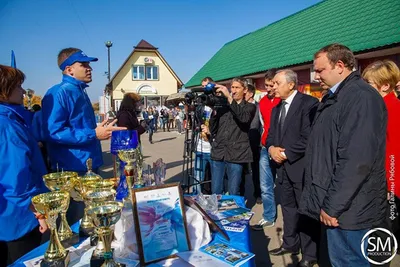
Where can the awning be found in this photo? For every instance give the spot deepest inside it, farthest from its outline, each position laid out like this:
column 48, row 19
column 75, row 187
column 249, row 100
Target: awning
column 176, row 97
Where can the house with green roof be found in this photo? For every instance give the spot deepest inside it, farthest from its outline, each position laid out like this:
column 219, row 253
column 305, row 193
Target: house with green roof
column 370, row 28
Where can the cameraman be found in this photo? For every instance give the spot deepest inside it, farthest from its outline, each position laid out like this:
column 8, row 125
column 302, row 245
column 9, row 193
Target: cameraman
column 229, row 127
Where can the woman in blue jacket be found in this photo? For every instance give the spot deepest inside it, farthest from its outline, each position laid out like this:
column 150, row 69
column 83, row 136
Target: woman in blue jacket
column 21, row 169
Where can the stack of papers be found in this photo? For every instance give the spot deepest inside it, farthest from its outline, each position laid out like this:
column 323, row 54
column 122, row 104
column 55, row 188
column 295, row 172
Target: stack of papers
column 231, row 217
column 218, row 254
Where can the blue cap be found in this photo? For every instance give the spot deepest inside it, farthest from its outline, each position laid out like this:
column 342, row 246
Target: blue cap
column 78, row 56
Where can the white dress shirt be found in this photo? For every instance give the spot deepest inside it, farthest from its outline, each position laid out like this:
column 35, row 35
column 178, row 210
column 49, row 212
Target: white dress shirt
column 288, row 101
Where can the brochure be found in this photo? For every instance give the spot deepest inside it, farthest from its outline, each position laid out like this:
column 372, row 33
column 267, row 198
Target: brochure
column 227, row 204
column 200, row 259
column 237, row 226
column 227, row 254
column 230, row 213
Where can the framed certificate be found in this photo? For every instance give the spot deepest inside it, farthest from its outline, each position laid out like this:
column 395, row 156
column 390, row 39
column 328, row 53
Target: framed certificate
column 160, row 222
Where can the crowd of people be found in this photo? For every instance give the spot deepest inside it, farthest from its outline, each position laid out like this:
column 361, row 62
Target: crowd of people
column 65, row 126
column 331, row 162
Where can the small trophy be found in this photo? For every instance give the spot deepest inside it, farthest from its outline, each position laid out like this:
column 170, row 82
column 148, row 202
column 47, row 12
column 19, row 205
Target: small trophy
column 95, row 197
column 50, row 205
column 86, row 227
column 104, row 215
column 159, row 169
column 63, row 181
column 130, row 170
column 127, row 141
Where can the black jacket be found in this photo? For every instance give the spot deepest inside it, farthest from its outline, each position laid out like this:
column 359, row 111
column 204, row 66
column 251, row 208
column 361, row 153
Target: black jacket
column 296, row 130
column 128, row 119
column 345, row 158
column 229, row 131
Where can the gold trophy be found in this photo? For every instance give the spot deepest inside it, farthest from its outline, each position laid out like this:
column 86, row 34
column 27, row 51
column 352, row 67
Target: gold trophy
column 63, row 181
column 50, row 205
column 133, row 179
column 104, row 215
column 86, row 226
column 92, row 198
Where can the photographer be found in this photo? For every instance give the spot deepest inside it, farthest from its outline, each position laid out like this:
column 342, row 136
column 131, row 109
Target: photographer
column 229, row 127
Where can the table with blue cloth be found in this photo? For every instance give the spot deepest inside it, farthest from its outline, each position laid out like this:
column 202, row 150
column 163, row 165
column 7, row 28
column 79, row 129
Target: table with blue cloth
column 239, row 240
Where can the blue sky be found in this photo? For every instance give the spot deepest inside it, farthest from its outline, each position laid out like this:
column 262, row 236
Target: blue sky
column 187, row 32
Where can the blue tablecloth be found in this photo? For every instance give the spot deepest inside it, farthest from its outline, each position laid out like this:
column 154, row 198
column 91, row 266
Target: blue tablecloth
column 238, row 240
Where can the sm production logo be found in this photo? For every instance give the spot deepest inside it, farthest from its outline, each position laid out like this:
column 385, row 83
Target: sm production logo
column 381, row 246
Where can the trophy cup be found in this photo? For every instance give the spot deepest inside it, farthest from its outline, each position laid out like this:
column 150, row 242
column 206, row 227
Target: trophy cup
column 63, row 181
column 92, row 198
column 86, row 226
column 104, row 215
column 125, row 140
column 130, row 170
column 50, row 205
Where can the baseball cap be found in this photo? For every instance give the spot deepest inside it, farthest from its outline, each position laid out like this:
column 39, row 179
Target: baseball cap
column 78, row 56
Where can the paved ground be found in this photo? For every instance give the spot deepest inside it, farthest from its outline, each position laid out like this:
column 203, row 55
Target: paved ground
column 169, row 146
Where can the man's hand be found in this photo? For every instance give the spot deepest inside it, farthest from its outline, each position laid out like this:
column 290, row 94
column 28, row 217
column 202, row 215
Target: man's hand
column 276, row 154
column 328, row 220
column 104, row 130
column 224, row 91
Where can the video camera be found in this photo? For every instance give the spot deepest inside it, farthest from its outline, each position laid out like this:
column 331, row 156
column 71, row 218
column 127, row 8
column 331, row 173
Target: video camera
column 213, row 98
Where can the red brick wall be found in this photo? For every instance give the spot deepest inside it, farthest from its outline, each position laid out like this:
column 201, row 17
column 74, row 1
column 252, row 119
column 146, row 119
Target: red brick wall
column 259, row 84
column 363, row 63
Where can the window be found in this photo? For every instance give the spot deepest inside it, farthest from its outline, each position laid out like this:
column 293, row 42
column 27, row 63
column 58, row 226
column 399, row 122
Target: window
column 117, row 104
column 141, row 72
column 151, row 73
column 138, row 72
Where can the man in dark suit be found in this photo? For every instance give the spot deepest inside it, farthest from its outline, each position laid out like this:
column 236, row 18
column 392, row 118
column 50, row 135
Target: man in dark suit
column 286, row 142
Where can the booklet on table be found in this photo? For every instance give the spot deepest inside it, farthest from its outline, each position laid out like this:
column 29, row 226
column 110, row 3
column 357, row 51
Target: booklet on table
column 227, row 254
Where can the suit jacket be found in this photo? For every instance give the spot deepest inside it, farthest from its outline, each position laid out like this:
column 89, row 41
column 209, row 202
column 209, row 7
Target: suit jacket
column 296, row 130
column 255, row 131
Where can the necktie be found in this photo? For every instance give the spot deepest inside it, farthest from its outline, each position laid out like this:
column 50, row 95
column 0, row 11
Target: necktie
column 282, row 117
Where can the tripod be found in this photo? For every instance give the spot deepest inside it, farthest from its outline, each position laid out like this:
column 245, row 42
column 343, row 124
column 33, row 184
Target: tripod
column 189, row 179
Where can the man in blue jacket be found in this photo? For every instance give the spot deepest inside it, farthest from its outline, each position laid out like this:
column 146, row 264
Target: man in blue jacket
column 69, row 125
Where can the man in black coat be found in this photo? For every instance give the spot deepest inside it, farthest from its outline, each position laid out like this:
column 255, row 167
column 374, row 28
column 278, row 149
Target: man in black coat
column 345, row 184
column 286, row 142
column 230, row 146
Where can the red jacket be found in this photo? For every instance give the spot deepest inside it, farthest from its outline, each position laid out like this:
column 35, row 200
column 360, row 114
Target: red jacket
column 266, row 105
column 393, row 144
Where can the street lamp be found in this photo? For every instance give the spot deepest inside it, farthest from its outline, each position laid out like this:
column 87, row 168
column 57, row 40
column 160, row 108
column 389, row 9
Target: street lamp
column 108, row 89
column 29, row 94
column 108, row 45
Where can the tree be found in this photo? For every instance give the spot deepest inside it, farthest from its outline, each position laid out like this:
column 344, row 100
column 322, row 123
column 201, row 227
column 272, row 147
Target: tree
column 35, row 100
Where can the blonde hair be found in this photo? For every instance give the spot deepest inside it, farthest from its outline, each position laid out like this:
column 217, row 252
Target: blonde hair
column 382, row 72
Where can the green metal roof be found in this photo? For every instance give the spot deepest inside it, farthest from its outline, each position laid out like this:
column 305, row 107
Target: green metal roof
column 359, row 24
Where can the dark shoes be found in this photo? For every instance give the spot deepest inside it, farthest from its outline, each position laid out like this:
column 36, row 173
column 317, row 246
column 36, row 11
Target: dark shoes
column 306, row 263
column 282, row 251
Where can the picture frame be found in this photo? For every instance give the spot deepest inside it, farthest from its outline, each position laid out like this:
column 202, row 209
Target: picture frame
column 189, row 201
column 160, row 222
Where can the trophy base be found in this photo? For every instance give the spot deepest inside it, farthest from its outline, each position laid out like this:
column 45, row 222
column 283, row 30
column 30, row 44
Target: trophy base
column 86, row 232
column 73, row 240
column 97, row 261
column 58, row 263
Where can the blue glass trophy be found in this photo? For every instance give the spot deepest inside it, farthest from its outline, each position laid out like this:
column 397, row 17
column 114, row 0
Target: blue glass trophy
column 125, row 146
